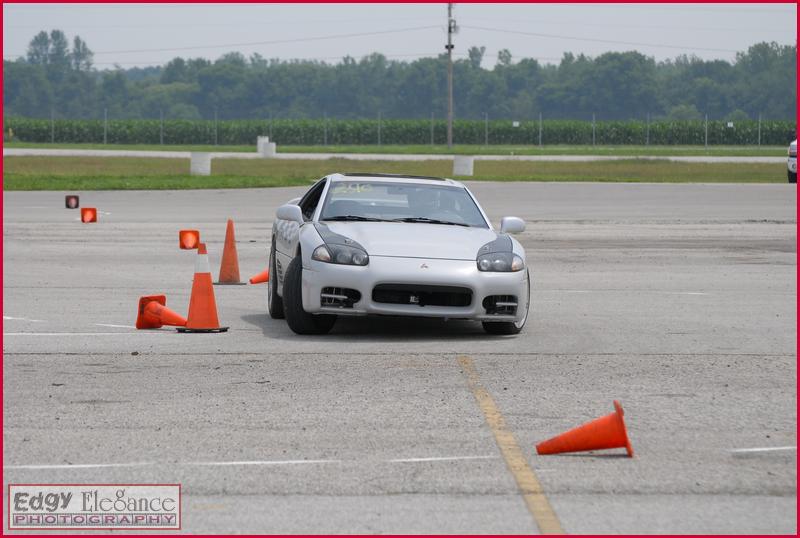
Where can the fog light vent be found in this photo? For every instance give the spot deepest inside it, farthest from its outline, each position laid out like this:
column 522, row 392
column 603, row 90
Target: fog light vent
column 501, row 305
column 339, row 297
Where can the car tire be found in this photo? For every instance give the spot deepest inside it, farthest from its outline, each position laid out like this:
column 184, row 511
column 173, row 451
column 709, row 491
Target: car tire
column 298, row 319
column 274, row 301
column 510, row 327
column 792, row 177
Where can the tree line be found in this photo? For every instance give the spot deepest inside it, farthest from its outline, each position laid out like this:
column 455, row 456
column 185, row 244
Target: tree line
column 62, row 80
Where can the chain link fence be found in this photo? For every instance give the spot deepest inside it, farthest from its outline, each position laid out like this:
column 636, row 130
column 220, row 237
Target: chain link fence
column 327, row 131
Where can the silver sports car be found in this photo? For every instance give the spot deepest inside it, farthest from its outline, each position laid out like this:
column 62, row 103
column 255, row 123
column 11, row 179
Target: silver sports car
column 358, row 244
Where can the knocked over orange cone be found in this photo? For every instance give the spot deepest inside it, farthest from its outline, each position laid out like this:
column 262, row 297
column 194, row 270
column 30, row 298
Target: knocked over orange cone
column 153, row 313
column 88, row 214
column 229, row 266
column 202, row 304
column 188, row 239
column 601, row 433
column 260, row 278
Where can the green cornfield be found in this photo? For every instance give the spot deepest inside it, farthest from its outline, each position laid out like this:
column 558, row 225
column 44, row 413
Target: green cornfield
column 369, row 132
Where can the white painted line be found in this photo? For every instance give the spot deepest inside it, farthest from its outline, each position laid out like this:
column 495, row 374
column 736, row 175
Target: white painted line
column 256, row 462
column 445, row 458
column 238, row 463
column 87, row 334
column 11, row 318
column 112, row 325
column 623, row 290
column 78, row 466
column 187, row 463
column 763, row 449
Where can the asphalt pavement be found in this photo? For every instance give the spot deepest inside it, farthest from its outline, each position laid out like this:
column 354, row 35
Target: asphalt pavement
column 679, row 300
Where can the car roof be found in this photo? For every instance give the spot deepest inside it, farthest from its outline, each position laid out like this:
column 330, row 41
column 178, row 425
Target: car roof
column 395, row 178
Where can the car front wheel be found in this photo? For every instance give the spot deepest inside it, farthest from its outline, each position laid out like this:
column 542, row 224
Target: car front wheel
column 792, row 177
column 298, row 319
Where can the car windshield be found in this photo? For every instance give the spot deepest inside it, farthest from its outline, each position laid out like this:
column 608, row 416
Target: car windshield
column 401, row 202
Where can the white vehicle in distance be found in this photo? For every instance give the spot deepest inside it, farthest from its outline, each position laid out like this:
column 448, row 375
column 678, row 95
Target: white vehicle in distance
column 380, row 244
column 792, row 164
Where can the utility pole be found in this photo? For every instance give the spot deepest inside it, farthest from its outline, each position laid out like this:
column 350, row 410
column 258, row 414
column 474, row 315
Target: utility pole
column 759, row 129
column 216, row 135
column 540, row 130
column 451, row 28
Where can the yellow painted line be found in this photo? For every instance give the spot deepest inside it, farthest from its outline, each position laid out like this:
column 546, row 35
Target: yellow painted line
column 527, row 481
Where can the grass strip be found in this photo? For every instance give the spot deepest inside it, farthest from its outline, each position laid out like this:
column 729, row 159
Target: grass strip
column 459, row 149
column 102, row 173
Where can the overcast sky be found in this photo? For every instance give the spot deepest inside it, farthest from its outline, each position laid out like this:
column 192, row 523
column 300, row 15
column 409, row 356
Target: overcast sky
column 152, row 34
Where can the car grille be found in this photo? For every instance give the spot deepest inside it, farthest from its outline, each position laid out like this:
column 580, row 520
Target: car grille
column 422, row 295
column 500, row 305
column 339, row 297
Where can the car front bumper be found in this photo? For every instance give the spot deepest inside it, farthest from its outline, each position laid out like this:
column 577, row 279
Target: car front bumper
column 413, row 271
column 792, row 165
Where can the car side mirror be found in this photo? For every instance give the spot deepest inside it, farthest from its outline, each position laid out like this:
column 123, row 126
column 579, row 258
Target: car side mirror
column 512, row 225
column 290, row 212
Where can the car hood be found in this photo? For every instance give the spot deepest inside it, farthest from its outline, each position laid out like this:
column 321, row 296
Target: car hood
column 413, row 240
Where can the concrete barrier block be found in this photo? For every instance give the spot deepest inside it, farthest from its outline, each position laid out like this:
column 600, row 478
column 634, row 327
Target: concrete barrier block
column 200, row 164
column 261, row 145
column 463, row 165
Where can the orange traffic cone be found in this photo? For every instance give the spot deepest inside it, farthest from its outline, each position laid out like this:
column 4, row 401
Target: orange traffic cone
column 229, row 266
column 88, row 214
column 153, row 313
column 260, row 278
column 72, row 201
column 202, row 305
column 188, row 239
column 601, row 433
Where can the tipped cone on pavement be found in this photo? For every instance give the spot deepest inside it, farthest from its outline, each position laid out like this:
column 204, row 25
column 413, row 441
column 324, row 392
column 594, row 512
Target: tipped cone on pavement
column 260, row 278
column 202, row 304
column 154, row 314
column 229, row 266
column 601, row 433
column 88, row 214
column 188, row 239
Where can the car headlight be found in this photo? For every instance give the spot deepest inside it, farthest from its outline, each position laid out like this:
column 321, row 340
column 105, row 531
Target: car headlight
column 501, row 262
column 340, row 254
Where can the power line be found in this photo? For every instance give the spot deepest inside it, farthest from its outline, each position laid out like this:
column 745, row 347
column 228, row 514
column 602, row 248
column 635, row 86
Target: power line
column 271, row 42
column 635, row 26
column 726, row 7
column 272, row 22
column 597, row 40
column 418, row 55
